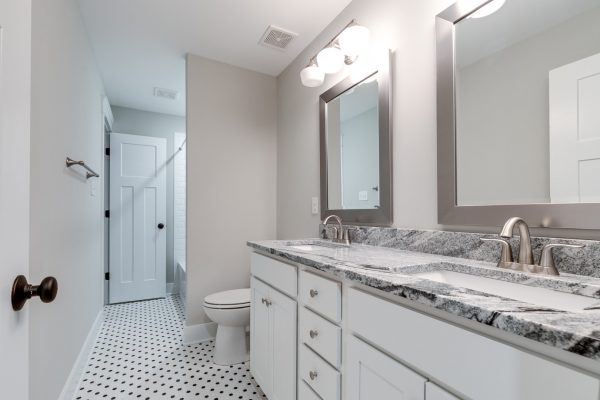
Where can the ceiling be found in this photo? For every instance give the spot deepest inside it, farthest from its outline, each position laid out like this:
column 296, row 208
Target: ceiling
column 141, row 44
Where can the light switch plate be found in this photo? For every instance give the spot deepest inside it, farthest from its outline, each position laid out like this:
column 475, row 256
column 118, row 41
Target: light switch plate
column 315, row 205
column 363, row 195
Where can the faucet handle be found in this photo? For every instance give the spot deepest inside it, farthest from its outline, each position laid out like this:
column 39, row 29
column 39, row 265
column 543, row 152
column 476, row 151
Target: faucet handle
column 547, row 257
column 506, row 255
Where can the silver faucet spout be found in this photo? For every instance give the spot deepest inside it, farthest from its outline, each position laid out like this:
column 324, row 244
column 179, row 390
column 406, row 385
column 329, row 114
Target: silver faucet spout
column 525, row 252
column 340, row 230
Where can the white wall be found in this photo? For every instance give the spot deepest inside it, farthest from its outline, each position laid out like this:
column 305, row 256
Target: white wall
column 514, row 117
column 66, row 221
column 408, row 28
column 145, row 123
column 179, row 200
column 231, row 170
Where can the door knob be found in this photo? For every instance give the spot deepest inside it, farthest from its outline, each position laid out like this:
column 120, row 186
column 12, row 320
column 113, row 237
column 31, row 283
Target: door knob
column 23, row 291
column 161, row 225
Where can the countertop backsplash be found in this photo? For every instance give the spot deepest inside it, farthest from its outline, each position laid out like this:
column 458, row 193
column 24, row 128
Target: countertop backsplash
column 584, row 261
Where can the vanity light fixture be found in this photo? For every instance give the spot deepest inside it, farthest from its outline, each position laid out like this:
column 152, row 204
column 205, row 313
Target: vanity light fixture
column 488, row 9
column 344, row 48
column 312, row 75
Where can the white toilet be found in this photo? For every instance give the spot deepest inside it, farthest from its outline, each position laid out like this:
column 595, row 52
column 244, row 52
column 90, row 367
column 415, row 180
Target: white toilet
column 231, row 311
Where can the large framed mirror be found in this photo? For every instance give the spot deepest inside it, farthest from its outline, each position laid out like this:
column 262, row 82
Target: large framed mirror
column 356, row 147
column 519, row 112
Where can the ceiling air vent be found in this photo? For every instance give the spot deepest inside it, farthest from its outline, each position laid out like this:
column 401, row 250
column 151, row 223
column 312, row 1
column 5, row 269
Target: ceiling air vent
column 277, row 38
column 166, row 93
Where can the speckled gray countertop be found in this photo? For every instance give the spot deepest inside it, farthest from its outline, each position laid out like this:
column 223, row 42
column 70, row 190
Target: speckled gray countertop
column 392, row 270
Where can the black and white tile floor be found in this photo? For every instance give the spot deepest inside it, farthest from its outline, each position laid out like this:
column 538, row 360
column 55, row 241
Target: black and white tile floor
column 139, row 354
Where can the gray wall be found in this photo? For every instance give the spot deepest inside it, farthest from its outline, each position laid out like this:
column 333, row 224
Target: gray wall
column 66, row 221
column 145, row 123
column 509, row 114
column 408, row 28
column 231, row 175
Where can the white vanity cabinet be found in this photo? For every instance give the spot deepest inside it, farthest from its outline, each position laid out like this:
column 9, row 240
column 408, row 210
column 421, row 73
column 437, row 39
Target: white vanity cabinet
column 273, row 328
column 370, row 374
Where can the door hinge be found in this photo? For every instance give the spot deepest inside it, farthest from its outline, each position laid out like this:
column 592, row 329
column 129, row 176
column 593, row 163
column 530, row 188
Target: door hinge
column 107, row 276
column 107, row 151
column 106, row 213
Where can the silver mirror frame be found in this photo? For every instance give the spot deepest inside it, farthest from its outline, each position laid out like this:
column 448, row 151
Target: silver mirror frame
column 576, row 216
column 383, row 216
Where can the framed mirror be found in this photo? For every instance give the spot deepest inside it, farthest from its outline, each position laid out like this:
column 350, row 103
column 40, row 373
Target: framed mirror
column 356, row 147
column 519, row 112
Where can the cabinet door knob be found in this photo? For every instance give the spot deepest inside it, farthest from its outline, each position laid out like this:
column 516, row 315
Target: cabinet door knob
column 313, row 292
column 268, row 302
column 313, row 334
column 263, row 300
column 160, row 225
column 313, row 375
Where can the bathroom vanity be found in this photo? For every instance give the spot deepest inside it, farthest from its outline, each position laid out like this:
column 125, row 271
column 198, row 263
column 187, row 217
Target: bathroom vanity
column 371, row 322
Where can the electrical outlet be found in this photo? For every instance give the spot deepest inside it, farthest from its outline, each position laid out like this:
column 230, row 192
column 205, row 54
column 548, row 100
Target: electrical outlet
column 315, row 205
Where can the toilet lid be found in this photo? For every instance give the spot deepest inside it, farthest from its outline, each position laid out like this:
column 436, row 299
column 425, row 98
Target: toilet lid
column 237, row 297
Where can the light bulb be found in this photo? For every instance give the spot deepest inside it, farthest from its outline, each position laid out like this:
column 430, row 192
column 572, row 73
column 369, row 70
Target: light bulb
column 488, row 9
column 330, row 60
column 354, row 40
column 312, row 76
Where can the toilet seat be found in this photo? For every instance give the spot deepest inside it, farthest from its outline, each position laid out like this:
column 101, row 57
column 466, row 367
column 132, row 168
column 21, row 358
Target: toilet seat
column 229, row 299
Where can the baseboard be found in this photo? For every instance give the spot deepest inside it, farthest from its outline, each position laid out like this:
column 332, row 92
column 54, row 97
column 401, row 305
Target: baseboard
column 171, row 288
column 76, row 374
column 199, row 333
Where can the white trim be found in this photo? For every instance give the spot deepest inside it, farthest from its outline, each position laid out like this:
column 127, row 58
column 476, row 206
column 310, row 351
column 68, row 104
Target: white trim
column 76, row 374
column 172, row 288
column 199, row 333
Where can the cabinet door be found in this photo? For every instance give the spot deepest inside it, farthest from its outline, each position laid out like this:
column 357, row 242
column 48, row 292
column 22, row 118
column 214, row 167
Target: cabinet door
column 260, row 337
column 283, row 331
column 371, row 374
column 434, row 392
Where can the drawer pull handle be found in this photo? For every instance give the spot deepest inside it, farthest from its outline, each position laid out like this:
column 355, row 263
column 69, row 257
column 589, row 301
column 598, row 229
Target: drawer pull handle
column 313, row 375
column 313, row 334
column 313, row 293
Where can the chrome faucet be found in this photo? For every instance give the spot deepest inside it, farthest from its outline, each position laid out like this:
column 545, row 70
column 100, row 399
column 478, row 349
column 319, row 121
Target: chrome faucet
column 341, row 234
column 525, row 252
column 526, row 262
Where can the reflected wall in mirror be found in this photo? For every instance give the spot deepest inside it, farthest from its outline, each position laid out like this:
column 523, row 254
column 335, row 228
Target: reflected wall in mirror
column 356, row 147
column 353, row 147
column 528, row 104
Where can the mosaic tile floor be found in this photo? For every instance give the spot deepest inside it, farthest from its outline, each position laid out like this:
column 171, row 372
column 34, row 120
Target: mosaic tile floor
column 139, row 354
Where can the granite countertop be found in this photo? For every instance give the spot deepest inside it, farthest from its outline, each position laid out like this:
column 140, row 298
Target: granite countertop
column 391, row 270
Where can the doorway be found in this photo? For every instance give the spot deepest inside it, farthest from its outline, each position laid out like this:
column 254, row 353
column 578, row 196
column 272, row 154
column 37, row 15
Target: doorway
column 145, row 206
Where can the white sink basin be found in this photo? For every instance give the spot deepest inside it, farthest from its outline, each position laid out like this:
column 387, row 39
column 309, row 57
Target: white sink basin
column 528, row 294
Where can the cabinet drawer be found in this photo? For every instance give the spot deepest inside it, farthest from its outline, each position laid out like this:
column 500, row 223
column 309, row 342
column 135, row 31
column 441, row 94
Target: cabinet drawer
column 455, row 355
column 276, row 273
column 321, row 295
column 325, row 379
column 320, row 335
column 306, row 393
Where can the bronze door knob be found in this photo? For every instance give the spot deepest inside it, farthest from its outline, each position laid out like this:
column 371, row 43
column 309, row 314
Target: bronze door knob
column 23, row 291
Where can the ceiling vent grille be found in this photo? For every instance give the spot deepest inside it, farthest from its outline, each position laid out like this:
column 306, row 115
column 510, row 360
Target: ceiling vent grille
column 277, row 38
column 168, row 94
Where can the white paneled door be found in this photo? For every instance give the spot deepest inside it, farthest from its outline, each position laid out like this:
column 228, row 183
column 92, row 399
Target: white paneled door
column 138, row 214
column 15, row 67
column 575, row 132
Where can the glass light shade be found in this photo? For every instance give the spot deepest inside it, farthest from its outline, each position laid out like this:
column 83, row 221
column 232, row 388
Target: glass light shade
column 488, row 9
column 312, row 76
column 330, row 60
column 354, row 40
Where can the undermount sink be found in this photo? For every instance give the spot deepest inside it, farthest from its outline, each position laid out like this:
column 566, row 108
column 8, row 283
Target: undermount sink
column 528, row 294
column 317, row 245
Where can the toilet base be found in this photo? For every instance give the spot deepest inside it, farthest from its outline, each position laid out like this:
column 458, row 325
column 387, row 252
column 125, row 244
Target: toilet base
column 230, row 345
